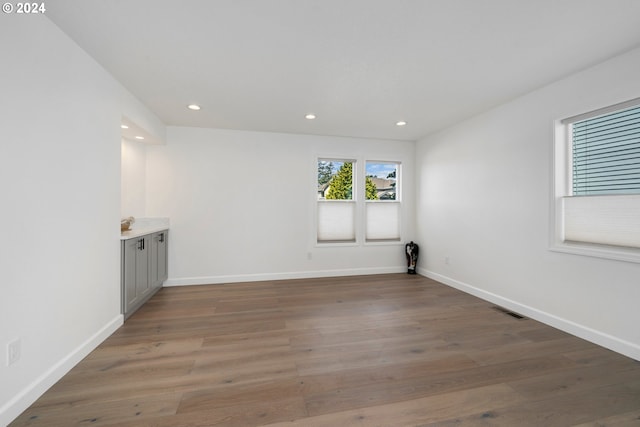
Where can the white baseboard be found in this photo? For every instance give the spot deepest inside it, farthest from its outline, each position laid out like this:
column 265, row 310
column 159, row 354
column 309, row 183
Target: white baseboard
column 597, row 337
column 211, row 280
column 14, row 407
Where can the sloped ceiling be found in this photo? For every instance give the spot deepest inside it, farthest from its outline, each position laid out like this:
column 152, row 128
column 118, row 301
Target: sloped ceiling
column 359, row 65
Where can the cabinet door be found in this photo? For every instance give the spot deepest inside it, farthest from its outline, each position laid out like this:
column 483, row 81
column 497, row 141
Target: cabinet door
column 158, row 263
column 163, row 257
column 129, row 277
column 142, row 266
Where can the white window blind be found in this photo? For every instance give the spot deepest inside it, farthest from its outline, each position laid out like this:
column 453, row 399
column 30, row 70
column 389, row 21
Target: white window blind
column 608, row 220
column 336, row 221
column 383, row 221
column 606, row 153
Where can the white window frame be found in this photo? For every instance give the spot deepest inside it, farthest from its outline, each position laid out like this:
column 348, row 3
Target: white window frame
column 563, row 202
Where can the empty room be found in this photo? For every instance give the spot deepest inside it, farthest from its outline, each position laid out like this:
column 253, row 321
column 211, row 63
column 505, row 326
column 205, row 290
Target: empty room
column 332, row 213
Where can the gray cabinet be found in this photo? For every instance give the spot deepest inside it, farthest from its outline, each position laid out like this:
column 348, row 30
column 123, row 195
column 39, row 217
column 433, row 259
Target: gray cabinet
column 144, row 269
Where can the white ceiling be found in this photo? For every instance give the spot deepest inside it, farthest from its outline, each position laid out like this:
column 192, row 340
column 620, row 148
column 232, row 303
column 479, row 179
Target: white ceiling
column 359, row 65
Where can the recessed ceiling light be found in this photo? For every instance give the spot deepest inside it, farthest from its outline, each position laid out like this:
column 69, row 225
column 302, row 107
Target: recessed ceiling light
column 124, row 126
column 139, row 137
column 194, row 107
column 401, row 123
column 310, row 116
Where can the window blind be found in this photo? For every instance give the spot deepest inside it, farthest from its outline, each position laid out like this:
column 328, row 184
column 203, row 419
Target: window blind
column 383, row 221
column 606, row 154
column 608, row 220
column 336, row 221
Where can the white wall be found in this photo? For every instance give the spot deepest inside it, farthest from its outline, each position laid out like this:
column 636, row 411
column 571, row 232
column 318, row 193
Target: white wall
column 133, row 185
column 484, row 191
column 60, row 189
column 242, row 205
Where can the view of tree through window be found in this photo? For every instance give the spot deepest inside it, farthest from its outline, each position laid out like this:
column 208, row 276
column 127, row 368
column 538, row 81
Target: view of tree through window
column 341, row 184
column 335, row 180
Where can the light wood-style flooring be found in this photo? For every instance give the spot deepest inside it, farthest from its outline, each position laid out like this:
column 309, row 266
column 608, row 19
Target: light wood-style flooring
column 385, row 350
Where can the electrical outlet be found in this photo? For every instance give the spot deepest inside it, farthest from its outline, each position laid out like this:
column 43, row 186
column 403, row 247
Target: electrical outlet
column 309, row 255
column 13, row 352
column 446, row 260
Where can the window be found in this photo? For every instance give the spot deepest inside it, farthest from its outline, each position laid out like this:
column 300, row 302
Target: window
column 336, row 207
column 598, row 180
column 382, row 202
column 348, row 196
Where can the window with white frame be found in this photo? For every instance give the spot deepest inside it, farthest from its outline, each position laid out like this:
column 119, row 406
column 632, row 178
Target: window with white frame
column 336, row 209
column 382, row 201
column 599, row 194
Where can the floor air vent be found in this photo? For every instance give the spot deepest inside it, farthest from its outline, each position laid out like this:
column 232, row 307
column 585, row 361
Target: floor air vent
column 509, row 312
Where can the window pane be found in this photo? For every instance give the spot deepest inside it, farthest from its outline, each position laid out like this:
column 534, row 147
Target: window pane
column 381, row 181
column 335, row 179
column 336, row 211
column 382, row 209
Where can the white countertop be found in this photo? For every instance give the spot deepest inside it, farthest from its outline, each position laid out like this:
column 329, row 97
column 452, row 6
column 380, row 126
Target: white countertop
column 143, row 226
column 130, row 234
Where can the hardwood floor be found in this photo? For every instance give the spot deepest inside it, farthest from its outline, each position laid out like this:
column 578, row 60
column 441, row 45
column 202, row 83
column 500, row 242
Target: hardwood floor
column 387, row 350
